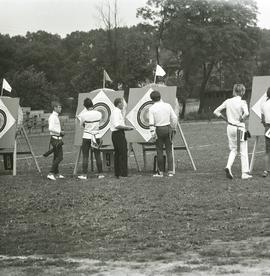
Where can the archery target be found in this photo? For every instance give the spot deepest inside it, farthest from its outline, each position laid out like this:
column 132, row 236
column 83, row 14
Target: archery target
column 105, row 111
column 139, row 103
column 8, row 116
column 260, row 85
column 3, row 120
column 143, row 115
column 103, row 102
column 6, row 119
column 139, row 115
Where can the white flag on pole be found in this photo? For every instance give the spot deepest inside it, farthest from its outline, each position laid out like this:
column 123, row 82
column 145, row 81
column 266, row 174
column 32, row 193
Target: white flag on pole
column 160, row 71
column 6, row 86
column 106, row 76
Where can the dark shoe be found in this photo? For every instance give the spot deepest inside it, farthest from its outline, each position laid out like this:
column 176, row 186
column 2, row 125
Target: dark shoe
column 228, row 173
column 265, row 174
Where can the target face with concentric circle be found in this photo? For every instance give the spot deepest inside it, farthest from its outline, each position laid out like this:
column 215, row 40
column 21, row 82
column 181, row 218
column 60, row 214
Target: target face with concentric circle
column 3, row 120
column 143, row 115
column 105, row 111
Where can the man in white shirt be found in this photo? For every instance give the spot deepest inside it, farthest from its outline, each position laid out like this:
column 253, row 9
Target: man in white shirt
column 162, row 122
column 90, row 120
column 236, row 113
column 265, row 111
column 56, row 141
column 118, row 129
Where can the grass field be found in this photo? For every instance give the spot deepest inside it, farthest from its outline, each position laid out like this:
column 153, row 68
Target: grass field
column 196, row 223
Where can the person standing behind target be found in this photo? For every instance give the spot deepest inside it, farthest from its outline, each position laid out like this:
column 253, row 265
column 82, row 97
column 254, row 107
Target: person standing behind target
column 119, row 141
column 265, row 112
column 162, row 122
column 90, row 120
column 56, row 141
column 236, row 113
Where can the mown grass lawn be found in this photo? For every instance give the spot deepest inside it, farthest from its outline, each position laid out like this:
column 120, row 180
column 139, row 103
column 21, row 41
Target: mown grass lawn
column 140, row 218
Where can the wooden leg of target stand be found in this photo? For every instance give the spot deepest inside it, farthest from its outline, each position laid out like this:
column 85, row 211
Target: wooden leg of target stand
column 173, row 159
column 77, row 161
column 135, row 157
column 186, row 145
column 253, row 154
column 14, row 171
column 31, row 149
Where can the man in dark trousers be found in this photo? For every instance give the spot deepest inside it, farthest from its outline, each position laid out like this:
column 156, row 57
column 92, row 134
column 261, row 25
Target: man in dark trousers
column 162, row 122
column 56, row 141
column 90, row 120
column 118, row 129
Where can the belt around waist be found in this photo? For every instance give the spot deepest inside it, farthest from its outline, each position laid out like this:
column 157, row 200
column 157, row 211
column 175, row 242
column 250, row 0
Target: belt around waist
column 56, row 137
column 163, row 126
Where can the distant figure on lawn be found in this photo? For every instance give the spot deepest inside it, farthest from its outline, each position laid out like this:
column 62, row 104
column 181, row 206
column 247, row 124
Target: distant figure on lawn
column 236, row 114
column 56, row 141
column 90, row 120
column 162, row 122
column 265, row 111
column 119, row 141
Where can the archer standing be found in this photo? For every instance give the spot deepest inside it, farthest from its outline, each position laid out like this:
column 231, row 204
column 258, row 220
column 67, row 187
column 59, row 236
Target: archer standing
column 236, row 114
column 56, row 141
column 90, row 120
column 118, row 129
column 163, row 122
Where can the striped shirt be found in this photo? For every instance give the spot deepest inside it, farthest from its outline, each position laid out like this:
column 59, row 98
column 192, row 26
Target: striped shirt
column 90, row 119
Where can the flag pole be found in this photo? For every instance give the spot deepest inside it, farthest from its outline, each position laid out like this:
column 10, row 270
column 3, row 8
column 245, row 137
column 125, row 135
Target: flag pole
column 155, row 77
column 103, row 79
column 2, row 88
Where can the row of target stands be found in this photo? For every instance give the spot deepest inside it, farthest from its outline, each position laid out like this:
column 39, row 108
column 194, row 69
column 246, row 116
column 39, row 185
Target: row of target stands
column 136, row 113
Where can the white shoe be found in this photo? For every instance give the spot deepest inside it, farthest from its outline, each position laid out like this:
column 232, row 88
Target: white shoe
column 83, row 177
column 101, row 176
column 60, row 176
column 158, row 174
column 246, row 176
column 170, row 174
column 51, row 176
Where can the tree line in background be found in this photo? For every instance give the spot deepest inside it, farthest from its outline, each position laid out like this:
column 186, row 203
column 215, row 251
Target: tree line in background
column 202, row 45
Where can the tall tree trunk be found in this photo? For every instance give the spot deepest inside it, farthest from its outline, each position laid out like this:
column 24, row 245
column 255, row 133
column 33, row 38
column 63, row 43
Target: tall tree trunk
column 207, row 69
column 182, row 114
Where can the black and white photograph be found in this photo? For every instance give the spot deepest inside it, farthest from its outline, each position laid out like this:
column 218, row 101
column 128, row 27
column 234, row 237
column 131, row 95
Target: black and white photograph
column 135, row 137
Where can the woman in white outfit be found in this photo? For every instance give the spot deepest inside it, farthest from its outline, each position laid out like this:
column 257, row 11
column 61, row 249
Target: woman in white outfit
column 236, row 113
